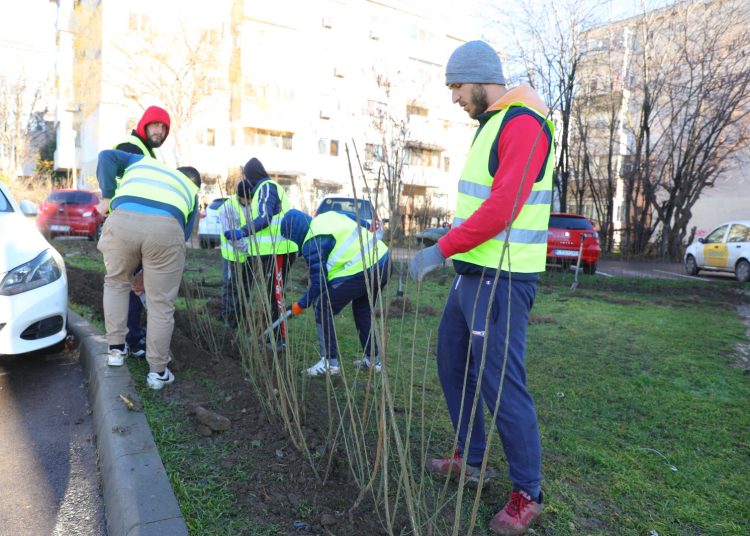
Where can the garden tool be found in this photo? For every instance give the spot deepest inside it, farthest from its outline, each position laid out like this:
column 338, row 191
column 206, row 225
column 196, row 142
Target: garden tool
column 282, row 317
column 578, row 262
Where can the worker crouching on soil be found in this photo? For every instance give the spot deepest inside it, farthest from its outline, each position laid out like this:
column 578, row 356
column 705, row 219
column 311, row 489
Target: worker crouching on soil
column 344, row 260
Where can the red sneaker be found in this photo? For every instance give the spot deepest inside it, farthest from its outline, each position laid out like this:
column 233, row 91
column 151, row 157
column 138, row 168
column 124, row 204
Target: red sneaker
column 451, row 465
column 517, row 515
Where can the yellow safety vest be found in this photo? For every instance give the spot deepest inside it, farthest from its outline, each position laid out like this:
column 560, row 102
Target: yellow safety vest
column 269, row 241
column 135, row 140
column 152, row 180
column 527, row 235
column 227, row 250
column 349, row 256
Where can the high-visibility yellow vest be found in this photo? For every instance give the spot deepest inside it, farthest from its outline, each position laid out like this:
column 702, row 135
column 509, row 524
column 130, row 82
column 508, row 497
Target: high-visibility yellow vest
column 269, row 241
column 152, row 180
column 356, row 248
column 527, row 235
column 227, row 250
column 135, row 140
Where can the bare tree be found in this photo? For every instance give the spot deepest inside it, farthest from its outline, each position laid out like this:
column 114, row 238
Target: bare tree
column 18, row 104
column 598, row 154
column 693, row 114
column 180, row 69
column 548, row 50
column 392, row 129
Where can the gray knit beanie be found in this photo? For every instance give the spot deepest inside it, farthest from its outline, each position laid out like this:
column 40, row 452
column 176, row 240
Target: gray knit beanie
column 474, row 62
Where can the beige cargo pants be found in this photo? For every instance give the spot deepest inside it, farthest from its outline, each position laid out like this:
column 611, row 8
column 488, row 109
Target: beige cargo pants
column 128, row 239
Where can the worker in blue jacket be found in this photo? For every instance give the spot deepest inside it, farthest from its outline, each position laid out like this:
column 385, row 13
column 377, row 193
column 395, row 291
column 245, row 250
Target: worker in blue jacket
column 343, row 259
column 269, row 256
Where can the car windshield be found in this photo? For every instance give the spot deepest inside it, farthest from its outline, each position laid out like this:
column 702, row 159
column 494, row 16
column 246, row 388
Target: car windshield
column 4, row 203
column 566, row 222
column 216, row 203
column 70, row 198
column 344, row 204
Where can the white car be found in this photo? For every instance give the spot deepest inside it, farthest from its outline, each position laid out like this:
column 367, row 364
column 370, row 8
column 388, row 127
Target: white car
column 33, row 283
column 209, row 226
column 725, row 249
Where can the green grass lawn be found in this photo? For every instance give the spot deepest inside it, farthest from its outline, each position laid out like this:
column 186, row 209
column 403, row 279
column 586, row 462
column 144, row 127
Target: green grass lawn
column 644, row 419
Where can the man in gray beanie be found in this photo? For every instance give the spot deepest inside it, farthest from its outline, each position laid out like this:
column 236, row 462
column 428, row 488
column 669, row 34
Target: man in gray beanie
column 498, row 245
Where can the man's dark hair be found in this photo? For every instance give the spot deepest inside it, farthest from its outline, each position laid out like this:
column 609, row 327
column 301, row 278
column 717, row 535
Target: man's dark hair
column 192, row 174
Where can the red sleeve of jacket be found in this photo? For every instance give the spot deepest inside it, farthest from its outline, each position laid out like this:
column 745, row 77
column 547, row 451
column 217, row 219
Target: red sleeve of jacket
column 519, row 138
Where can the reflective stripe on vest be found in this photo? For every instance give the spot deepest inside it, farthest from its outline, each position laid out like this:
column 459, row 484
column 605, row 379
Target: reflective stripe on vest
column 152, row 180
column 135, row 140
column 349, row 256
column 527, row 235
column 227, row 249
column 268, row 241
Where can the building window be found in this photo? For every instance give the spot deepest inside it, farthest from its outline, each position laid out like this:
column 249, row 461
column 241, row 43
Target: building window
column 211, row 137
column 271, row 138
column 334, row 147
column 416, row 109
column 446, row 163
column 139, row 23
column 421, row 156
column 373, row 152
column 323, row 146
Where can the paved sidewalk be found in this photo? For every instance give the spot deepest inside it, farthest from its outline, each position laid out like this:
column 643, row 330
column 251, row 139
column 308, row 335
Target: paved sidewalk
column 138, row 498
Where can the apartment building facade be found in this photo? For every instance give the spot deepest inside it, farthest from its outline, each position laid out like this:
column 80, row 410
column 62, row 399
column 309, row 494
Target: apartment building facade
column 317, row 90
column 611, row 96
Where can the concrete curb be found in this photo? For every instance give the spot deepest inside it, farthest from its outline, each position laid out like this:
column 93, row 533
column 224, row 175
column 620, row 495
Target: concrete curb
column 138, row 498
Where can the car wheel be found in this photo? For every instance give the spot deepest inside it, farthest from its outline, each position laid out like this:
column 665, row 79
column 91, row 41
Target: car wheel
column 589, row 268
column 742, row 271
column 691, row 267
column 205, row 244
column 97, row 234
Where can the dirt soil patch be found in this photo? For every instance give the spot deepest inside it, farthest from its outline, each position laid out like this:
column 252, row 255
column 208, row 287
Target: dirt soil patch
column 281, row 488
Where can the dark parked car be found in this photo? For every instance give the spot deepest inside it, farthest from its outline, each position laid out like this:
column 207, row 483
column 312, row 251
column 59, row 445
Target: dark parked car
column 70, row 212
column 348, row 205
column 431, row 235
column 567, row 233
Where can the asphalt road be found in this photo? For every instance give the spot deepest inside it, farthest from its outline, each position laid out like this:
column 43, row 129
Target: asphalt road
column 49, row 481
column 656, row 270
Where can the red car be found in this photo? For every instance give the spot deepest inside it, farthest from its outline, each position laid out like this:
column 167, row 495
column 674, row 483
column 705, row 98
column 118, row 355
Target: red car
column 70, row 212
column 566, row 231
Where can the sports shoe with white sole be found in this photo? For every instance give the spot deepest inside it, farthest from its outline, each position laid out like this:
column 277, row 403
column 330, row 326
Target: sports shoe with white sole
column 323, row 367
column 138, row 351
column 364, row 363
column 116, row 358
column 157, row 380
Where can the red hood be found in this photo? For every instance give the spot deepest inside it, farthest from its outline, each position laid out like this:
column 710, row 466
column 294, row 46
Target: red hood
column 153, row 114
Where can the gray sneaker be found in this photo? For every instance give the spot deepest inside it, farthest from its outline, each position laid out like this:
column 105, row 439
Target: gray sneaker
column 364, row 363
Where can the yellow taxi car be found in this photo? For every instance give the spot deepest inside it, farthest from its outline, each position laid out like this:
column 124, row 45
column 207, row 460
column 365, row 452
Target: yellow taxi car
column 725, row 249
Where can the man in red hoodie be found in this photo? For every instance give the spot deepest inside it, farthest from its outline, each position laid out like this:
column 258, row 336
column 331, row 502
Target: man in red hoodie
column 149, row 134
column 498, row 246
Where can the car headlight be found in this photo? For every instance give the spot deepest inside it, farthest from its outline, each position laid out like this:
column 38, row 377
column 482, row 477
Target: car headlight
column 44, row 269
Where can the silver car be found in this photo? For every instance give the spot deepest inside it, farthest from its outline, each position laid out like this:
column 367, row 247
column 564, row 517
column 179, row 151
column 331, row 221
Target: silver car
column 209, row 226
